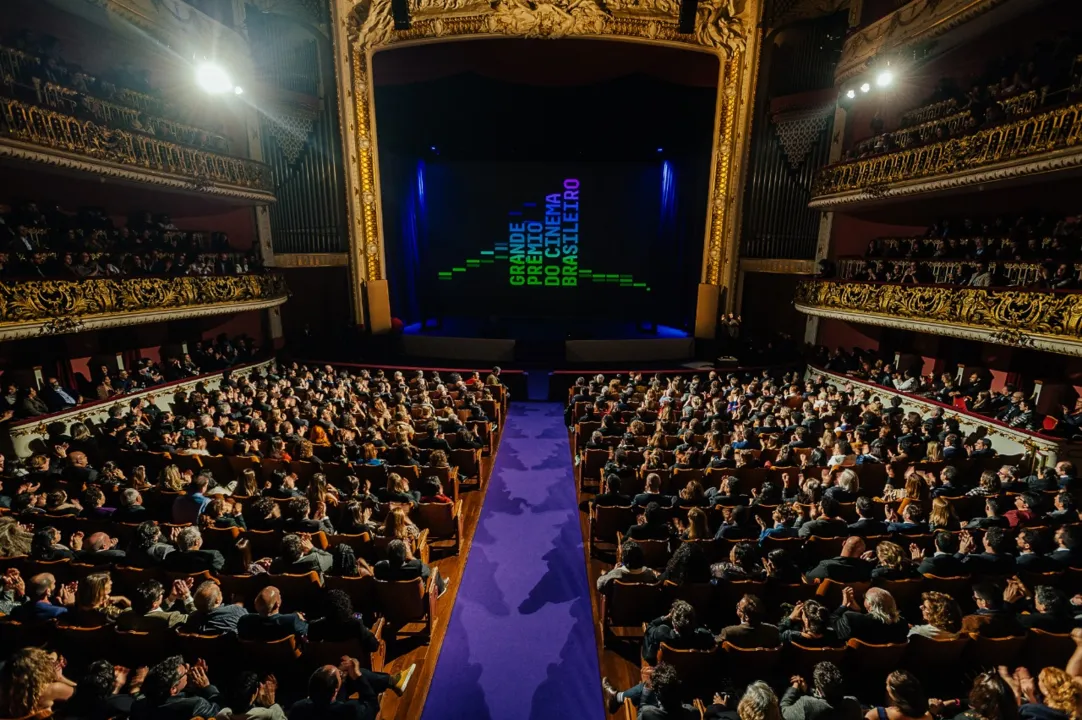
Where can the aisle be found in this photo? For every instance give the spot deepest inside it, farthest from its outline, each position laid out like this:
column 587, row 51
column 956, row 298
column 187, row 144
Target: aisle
column 521, row 639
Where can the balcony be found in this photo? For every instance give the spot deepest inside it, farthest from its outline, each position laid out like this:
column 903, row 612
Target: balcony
column 42, row 136
column 1040, row 320
column 34, row 308
column 1046, row 143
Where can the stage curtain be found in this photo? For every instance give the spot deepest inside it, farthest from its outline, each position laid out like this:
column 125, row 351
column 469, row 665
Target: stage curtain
column 415, row 242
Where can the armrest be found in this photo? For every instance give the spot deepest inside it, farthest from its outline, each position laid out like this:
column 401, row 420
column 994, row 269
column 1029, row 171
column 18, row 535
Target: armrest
column 379, row 657
column 457, row 512
column 629, row 711
column 423, row 550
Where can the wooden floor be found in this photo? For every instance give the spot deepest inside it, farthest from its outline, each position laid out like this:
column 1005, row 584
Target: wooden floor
column 409, row 706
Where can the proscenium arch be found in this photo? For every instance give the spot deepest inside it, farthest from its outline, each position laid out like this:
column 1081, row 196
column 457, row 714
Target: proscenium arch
column 726, row 28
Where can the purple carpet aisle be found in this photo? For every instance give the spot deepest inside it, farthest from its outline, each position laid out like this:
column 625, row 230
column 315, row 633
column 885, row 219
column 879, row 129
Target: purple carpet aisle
column 521, row 640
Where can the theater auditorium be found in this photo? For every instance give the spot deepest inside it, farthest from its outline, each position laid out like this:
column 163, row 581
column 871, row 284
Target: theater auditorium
column 532, row 359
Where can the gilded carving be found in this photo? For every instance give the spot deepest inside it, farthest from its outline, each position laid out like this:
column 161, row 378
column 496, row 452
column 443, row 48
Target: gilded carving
column 199, row 168
column 916, row 21
column 1042, row 134
column 1001, row 316
column 65, row 305
column 722, row 27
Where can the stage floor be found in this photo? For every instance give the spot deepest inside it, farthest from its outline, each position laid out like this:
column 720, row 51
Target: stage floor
column 542, row 329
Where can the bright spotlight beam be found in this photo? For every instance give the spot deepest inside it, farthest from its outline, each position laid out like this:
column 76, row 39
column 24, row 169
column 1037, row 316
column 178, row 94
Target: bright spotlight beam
column 213, row 79
column 884, row 78
column 851, row 94
column 865, row 87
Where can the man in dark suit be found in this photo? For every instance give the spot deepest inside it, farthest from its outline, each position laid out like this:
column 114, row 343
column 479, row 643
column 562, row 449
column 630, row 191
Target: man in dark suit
column 1065, row 471
column 654, row 526
column 982, row 448
column 1051, row 611
column 652, row 493
column 828, row 523
column 867, row 524
column 131, row 508
column 176, row 691
column 992, row 618
column 189, row 557
column 849, row 567
column 994, row 560
column 752, row 632
column 910, row 524
column 58, row 397
column 78, row 471
column 401, row 565
column 98, row 549
column 679, row 630
column 267, row 623
column 1031, row 558
column 1068, row 552
column 299, row 556
column 347, row 692
column 944, row 562
column 612, row 497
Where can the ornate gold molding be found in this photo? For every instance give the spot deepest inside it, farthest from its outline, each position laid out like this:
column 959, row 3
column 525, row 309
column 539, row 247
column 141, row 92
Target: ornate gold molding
column 49, row 307
column 780, row 266
column 1042, row 143
column 916, row 21
column 1040, row 320
column 311, row 260
column 725, row 28
column 41, row 135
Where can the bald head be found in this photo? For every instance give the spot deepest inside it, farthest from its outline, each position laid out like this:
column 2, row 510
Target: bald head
column 207, row 596
column 853, row 547
column 77, row 459
column 324, row 684
column 268, row 600
column 99, row 541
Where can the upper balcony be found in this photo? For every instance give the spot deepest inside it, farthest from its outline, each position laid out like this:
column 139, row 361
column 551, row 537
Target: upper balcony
column 32, row 308
column 1035, row 319
column 58, row 116
column 1009, row 153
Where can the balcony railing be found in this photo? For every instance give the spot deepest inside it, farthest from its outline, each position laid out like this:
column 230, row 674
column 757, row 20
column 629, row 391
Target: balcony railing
column 1036, row 135
column 133, row 153
column 1044, row 320
column 946, row 272
column 52, row 307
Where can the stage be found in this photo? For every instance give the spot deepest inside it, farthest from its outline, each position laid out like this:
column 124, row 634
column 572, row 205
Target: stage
column 521, row 340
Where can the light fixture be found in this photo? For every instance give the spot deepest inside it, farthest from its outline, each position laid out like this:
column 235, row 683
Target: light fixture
column 661, row 149
column 865, row 87
column 851, row 93
column 213, row 79
column 884, row 78
column 238, row 90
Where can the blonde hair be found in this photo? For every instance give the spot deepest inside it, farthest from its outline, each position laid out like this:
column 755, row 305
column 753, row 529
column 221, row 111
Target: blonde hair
column 170, row 479
column 397, row 525
column 941, row 514
column 933, row 453
column 1061, row 693
column 14, row 541
column 759, row 703
column 881, row 606
column 94, row 590
column 890, row 555
column 943, row 611
column 25, row 678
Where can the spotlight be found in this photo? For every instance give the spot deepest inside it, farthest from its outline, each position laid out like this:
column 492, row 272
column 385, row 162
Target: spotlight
column 213, row 79
column 851, row 93
column 432, row 148
column 238, row 90
column 661, row 149
column 884, row 78
column 865, row 87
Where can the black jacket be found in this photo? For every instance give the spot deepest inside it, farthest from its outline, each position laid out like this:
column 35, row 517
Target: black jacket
column 943, row 566
column 842, row 569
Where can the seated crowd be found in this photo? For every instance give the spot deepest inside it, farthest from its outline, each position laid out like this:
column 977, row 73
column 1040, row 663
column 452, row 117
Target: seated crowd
column 243, row 545
column 1008, row 404
column 1036, row 253
column 21, row 401
column 71, row 90
column 47, row 242
column 1008, row 88
column 784, row 515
